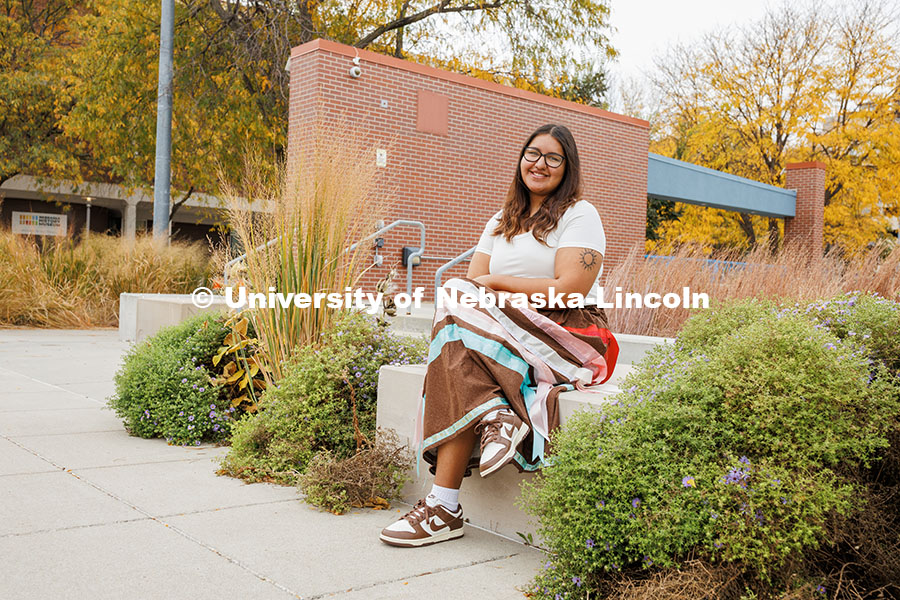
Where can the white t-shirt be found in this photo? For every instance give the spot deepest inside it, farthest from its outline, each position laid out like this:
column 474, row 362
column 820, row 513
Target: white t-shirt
column 524, row 256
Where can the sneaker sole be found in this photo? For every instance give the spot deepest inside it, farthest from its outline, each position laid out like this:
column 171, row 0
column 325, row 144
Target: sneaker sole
column 434, row 539
column 520, row 435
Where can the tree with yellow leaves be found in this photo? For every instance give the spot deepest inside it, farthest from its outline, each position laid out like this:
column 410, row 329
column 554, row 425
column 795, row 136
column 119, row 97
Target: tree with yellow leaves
column 112, row 76
column 33, row 40
column 552, row 46
column 813, row 83
column 78, row 85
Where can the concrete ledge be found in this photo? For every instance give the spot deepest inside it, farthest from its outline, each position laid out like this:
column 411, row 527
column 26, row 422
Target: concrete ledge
column 142, row 315
column 632, row 348
column 489, row 502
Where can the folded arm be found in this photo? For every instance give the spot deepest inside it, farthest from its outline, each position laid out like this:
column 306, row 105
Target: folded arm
column 575, row 270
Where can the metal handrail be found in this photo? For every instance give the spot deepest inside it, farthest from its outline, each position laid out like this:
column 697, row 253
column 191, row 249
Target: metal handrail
column 439, row 274
column 351, row 248
column 411, row 259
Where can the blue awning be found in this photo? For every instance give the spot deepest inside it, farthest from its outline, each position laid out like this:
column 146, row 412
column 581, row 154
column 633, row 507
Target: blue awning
column 670, row 179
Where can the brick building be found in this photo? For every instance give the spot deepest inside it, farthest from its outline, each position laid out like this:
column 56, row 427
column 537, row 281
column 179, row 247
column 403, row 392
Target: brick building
column 450, row 145
column 453, row 142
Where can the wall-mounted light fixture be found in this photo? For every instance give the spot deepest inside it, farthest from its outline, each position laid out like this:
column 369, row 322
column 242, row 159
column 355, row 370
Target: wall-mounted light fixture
column 409, row 251
column 379, row 243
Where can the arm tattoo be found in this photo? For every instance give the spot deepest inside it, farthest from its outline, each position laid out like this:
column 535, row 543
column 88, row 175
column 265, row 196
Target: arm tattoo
column 589, row 259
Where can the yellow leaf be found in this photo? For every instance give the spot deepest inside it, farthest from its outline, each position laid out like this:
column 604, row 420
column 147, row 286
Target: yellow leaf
column 239, row 345
column 219, row 355
column 235, row 376
column 241, row 326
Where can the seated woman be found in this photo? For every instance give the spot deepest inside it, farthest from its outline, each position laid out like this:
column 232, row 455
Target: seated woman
column 495, row 372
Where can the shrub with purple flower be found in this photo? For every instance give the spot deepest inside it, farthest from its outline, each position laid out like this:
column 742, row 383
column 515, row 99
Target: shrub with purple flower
column 312, row 409
column 154, row 378
column 734, row 444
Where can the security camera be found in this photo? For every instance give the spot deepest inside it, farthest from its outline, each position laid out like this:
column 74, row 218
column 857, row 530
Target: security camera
column 355, row 72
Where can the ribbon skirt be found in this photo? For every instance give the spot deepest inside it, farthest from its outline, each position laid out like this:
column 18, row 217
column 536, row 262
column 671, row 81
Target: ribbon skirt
column 485, row 357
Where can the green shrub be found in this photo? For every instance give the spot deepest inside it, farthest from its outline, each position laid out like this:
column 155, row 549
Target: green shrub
column 868, row 322
column 311, row 409
column 706, row 328
column 164, row 387
column 728, row 446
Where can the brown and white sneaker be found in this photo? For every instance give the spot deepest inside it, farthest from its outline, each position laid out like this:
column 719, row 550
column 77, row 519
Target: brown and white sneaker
column 424, row 525
column 501, row 433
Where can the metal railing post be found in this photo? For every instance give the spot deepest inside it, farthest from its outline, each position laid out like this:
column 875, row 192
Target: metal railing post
column 439, row 274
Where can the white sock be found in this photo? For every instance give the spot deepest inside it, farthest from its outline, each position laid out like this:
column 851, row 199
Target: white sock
column 447, row 497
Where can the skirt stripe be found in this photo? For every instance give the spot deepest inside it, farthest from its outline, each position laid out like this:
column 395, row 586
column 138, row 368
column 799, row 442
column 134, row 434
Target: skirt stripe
column 479, row 410
column 484, row 357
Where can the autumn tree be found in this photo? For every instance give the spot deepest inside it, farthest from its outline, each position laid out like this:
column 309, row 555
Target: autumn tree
column 802, row 83
column 78, row 89
column 552, row 46
column 858, row 132
column 33, row 40
column 112, row 76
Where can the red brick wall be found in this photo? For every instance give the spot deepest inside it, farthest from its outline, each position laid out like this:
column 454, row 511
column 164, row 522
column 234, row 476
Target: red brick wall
column 454, row 182
column 806, row 227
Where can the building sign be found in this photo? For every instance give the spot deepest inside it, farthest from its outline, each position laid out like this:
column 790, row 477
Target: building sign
column 32, row 223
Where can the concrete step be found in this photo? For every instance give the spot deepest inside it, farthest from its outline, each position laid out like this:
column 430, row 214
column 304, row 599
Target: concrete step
column 491, row 502
column 417, row 322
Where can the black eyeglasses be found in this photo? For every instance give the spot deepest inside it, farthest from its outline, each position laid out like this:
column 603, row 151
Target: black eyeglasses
column 552, row 159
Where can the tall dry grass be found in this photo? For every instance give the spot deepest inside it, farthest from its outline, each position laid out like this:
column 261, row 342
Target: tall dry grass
column 314, row 211
column 791, row 275
column 61, row 283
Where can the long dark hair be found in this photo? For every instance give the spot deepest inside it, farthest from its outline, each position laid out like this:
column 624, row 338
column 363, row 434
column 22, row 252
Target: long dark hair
column 515, row 218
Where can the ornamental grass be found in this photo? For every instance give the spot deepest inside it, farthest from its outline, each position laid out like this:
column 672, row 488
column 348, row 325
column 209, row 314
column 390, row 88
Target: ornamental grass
column 791, row 274
column 309, row 215
column 69, row 284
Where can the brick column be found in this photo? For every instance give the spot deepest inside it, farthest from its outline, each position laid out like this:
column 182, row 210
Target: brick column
column 805, row 228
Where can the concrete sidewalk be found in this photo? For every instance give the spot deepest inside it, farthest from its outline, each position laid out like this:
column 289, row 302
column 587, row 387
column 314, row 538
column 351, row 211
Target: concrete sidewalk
column 87, row 511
